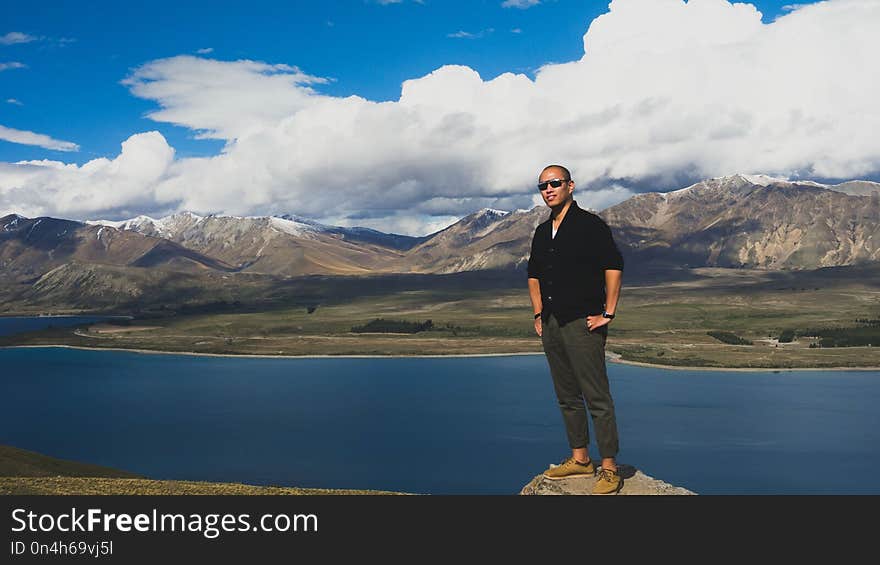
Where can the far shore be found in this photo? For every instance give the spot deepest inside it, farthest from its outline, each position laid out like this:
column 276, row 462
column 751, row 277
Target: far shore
column 610, row 357
column 83, row 315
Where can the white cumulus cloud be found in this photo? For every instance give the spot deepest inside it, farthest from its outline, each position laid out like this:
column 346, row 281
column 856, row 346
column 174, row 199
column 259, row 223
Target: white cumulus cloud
column 666, row 90
column 118, row 186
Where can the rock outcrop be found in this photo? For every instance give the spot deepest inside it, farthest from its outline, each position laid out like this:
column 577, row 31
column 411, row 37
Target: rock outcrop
column 634, row 482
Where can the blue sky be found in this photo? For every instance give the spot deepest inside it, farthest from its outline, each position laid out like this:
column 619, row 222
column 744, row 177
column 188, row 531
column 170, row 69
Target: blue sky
column 405, row 116
column 70, row 88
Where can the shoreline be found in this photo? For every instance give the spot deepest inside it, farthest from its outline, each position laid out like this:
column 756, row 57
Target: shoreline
column 8, row 316
column 735, row 369
column 609, row 357
column 258, row 356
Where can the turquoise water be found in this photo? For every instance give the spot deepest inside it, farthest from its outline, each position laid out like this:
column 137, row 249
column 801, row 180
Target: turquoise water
column 479, row 425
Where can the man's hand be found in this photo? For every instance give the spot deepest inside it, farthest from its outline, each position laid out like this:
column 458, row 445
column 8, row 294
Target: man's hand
column 538, row 328
column 596, row 321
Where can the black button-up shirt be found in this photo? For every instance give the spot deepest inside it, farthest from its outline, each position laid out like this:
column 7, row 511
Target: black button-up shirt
column 571, row 266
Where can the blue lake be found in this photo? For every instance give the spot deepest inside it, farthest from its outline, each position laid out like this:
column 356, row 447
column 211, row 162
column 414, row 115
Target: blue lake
column 479, row 425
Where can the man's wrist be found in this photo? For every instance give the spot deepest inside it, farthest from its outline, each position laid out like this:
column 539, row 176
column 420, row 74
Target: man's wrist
column 537, row 315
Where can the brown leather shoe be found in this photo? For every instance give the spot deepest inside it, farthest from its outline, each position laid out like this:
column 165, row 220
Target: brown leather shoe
column 570, row 468
column 608, row 481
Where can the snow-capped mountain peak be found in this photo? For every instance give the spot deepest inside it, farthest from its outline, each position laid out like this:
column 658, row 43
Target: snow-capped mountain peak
column 492, row 211
column 293, row 227
column 759, row 180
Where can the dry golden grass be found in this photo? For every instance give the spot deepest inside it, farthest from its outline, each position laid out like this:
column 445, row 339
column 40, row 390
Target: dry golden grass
column 108, row 486
column 29, row 472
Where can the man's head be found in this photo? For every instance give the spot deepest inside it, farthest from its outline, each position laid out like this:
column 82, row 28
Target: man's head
column 555, row 185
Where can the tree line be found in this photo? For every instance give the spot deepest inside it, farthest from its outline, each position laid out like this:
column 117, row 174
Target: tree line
column 381, row 325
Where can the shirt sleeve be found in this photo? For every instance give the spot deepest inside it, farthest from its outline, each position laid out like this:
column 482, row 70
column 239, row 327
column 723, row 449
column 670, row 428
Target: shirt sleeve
column 534, row 266
column 612, row 259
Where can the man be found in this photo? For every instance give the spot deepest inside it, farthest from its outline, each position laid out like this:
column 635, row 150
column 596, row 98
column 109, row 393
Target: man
column 574, row 273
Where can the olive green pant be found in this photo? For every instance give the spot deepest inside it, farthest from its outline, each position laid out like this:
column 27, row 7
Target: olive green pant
column 577, row 364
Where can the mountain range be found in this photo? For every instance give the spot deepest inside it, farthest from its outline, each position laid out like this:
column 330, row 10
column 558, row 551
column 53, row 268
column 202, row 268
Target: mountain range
column 752, row 222
column 739, row 221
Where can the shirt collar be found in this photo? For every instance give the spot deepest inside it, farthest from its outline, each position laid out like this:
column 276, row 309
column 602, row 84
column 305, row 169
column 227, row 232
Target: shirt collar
column 574, row 205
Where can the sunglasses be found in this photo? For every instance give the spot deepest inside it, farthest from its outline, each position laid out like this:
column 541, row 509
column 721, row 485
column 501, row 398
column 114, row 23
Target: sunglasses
column 555, row 183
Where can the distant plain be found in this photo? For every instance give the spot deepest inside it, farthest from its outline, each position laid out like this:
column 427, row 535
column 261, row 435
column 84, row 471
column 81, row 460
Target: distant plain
column 663, row 319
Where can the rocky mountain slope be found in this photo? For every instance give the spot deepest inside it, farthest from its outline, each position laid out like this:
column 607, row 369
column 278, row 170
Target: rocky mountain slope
column 292, row 246
column 746, row 221
column 285, row 246
column 487, row 239
column 29, row 248
column 751, row 221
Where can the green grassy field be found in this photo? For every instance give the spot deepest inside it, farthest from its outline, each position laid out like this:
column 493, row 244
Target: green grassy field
column 659, row 322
